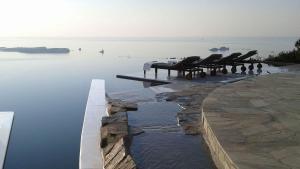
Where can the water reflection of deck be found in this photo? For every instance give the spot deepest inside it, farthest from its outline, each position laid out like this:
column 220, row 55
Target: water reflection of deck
column 6, row 121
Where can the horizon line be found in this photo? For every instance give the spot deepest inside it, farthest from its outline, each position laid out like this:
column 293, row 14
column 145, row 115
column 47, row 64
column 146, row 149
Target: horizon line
column 141, row 37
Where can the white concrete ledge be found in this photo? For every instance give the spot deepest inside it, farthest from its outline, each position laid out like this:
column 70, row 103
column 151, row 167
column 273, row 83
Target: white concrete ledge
column 90, row 151
column 6, row 121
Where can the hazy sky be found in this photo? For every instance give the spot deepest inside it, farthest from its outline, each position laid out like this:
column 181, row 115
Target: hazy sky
column 149, row 18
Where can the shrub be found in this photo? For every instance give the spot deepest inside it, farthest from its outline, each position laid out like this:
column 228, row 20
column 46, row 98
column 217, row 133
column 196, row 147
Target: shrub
column 287, row 57
column 297, row 44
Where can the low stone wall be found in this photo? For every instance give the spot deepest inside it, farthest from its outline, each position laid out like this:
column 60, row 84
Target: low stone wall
column 219, row 155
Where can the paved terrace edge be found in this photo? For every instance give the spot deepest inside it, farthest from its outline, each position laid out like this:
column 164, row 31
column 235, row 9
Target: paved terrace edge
column 222, row 155
column 221, row 159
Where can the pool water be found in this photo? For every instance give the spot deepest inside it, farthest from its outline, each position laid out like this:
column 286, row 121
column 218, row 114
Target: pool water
column 164, row 145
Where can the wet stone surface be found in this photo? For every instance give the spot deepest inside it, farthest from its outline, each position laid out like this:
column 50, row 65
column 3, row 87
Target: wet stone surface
column 167, row 125
column 163, row 144
column 170, row 150
column 117, row 105
column 190, row 99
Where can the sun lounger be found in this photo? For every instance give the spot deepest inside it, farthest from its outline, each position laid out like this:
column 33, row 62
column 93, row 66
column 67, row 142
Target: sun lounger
column 184, row 65
column 207, row 63
column 223, row 62
column 245, row 56
column 242, row 60
column 228, row 59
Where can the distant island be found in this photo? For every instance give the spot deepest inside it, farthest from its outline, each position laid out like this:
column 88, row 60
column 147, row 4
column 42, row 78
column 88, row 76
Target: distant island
column 222, row 49
column 35, row 50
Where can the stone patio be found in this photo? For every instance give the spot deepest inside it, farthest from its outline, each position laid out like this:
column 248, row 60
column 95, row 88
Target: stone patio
column 255, row 123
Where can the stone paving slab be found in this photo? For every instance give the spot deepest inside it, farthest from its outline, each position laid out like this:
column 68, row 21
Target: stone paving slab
column 255, row 123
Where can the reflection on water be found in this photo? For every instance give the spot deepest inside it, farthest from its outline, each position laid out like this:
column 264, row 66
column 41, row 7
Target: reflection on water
column 164, row 145
column 170, row 151
column 259, row 71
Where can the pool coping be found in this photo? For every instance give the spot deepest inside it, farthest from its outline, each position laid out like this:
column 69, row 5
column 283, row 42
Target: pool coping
column 7, row 127
column 90, row 151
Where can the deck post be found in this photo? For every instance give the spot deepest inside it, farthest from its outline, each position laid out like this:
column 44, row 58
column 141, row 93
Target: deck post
column 169, row 72
column 155, row 71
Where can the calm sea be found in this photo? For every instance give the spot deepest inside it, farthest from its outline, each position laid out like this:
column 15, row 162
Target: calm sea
column 48, row 92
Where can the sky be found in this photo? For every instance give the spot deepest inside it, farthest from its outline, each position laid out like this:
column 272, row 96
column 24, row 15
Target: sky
column 149, row 18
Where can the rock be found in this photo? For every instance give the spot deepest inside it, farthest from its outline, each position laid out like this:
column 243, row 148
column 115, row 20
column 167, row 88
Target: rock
column 135, row 130
column 107, row 149
column 126, row 105
column 191, row 129
column 171, row 98
column 118, row 157
column 116, row 105
column 189, row 117
column 190, row 121
column 113, row 110
column 127, row 163
column 160, row 97
column 112, row 132
column 116, row 109
column 115, row 118
column 191, row 99
column 115, row 138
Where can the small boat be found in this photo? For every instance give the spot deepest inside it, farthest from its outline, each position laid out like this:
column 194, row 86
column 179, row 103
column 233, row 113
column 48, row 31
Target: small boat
column 101, row 51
